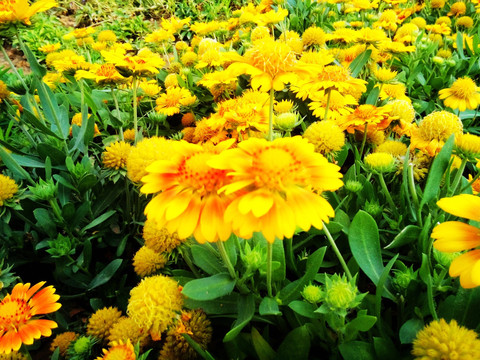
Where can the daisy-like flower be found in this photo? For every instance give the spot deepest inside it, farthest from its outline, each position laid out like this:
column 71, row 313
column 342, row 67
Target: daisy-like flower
column 338, row 107
column 453, row 236
column 271, row 17
column 127, row 329
column 119, row 351
column 278, row 186
column 102, row 74
column 21, row 10
column 63, row 341
column 377, row 118
column 220, row 83
column 49, row 48
column 142, row 64
column 174, row 24
column 187, row 200
column 463, row 94
column 170, row 102
column 326, row 135
column 116, row 154
column 205, row 28
column 18, row 315
column 101, row 322
column 159, row 36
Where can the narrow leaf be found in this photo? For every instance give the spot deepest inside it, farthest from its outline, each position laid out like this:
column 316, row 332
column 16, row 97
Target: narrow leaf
column 106, row 274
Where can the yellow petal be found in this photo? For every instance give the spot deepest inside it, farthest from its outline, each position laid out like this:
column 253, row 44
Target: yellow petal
column 453, row 236
column 465, row 205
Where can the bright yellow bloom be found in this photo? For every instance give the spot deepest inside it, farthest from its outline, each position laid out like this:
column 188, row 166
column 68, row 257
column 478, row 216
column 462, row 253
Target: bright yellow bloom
column 457, row 8
column 142, row 64
column 379, row 162
column 4, row 92
column 465, row 21
column 453, row 236
column 338, row 107
column 359, row 5
column 437, row 4
column 271, row 17
column 468, row 146
column 463, row 94
column 395, row 148
column 126, row 329
column 221, row 84
column 101, row 322
column 394, row 92
column 283, row 106
column 119, row 351
column 8, row 188
column 343, row 35
column 20, row 10
column 384, row 75
column 188, row 201
column 49, row 48
column 18, row 311
column 326, row 135
column 174, row 24
column 314, row 36
column 79, row 33
column 154, row 304
column 63, row 341
column 387, row 20
column 102, row 74
column 189, row 58
column 159, row 36
column 106, row 36
column 147, row 262
column 377, row 118
column 440, row 340
column 116, row 154
column 151, row 87
column 278, row 186
column 170, row 102
column 205, row 28
column 158, row 238
column 69, row 61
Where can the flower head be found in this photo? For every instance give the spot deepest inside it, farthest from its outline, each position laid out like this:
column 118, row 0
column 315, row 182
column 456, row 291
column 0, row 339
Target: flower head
column 395, row 148
column 326, row 135
column 377, row 118
column 468, row 146
column 147, row 262
column 127, row 329
column 142, row 64
column 101, row 322
column 119, row 351
column 154, row 303
column 21, row 11
column 158, row 238
column 102, row 74
column 170, row 102
column 18, row 311
column 463, row 94
column 441, row 340
column 116, row 154
column 8, row 188
column 63, row 341
column 380, row 162
column 313, row 36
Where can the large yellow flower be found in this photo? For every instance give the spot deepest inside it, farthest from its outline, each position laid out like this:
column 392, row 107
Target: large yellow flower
column 20, row 10
column 278, row 186
column 142, row 64
column 170, row 102
column 377, row 118
column 188, row 201
column 102, row 74
column 463, row 94
column 453, row 236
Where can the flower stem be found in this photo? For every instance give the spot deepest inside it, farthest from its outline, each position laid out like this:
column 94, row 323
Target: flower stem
column 337, row 252
column 226, row 259
column 115, row 100
column 325, row 117
column 364, row 140
column 458, row 178
column 135, row 119
column 413, row 192
column 270, row 116
column 387, row 194
column 269, row 268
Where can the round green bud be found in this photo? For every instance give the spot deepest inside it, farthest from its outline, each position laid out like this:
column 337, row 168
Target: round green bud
column 82, row 345
column 353, row 186
column 340, row 294
column 286, row 121
column 312, row 293
column 373, row 208
column 438, row 60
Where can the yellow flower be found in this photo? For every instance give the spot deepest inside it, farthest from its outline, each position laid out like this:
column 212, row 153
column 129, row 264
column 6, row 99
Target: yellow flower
column 147, row 262
column 142, row 64
column 174, row 24
column 69, row 61
column 384, row 75
column 259, row 32
column 437, row 4
column 453, row 236
column 63, row 341
column 407, row 33
column 475, row 184
column 205, row 28
column 421, row 22
column 468, row 146
column 338, row 107
column 394, row 92
column 154, row 304
column 221, row 84
column 158, row 238
column 271, row 17
column 101, row 322
column 106, row 36
column 171, row 81
column 377, row 118
column 343, row 35
column 20, row 10
column 395, row 148
column 358, row 5
column 444, row 53
column 442, row 28
column 150, row 88
column 129, row 135
column 187, row 200
column 8, row 188
column 159, row 36
column 313, row 36
column 322, row 57
column 79, row 33
column 116, row 154
column 380, row 162
column 49, row 48
column 189, row 58
column 440, row 340
column 457, row 8
column 465, row 21
column 273, row 183
column 463, row 94
column 102, row 74
column 119, row 351
column 283, row 106
column 326, row 135
column 125, row 329
column 4, row 93
column 434, row 130
column 387, row 20
column 170, row 102
column 77, row 120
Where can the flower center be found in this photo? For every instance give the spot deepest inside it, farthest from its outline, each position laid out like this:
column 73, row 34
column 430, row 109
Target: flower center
column 333, row 73
column 271, row 57
column 195, row 172
column 13, row 312
column 107, row 70
column 7, row 5
column 463, row 88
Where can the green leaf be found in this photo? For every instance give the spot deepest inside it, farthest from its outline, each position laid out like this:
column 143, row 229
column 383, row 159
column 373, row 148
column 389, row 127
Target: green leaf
column 292, row 291
column 385, row 349
column 409, row 234
column 262, row 347
column 278, row 255
column 87, row 182
column 45, row 221
column 57, row 156
column 357, row 65
column 269, row 306
column 435, row 175
column 106, row 274
column 362, row 323
column 409, row 330
column 224, row 305
column 365, row 245
column 209, row 288
column 246, row 310
column 304, row 309
column 383, row 288
column 459, row 41
column 37, row 69
column 13, row 166
column 30, row 118
column 373, row 96
column 357, row 350
column 56, row 354
column 296, row 345
column 99, row 220
column 206, row 260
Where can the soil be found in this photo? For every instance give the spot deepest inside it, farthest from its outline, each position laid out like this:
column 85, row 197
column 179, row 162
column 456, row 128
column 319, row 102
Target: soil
column 16, row 56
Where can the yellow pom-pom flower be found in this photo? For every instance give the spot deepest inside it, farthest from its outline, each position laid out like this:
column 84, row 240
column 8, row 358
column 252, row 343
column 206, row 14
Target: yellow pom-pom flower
column 154, row 304
column 8, row 188
column 63, row 341
column 440, row 340
column 101, row 322
column 3, row 91
column 107, row 36
column 465, row 21
column 463, row 94
column 146, row 261
column 395, row 148
column 129, row 135
column 468, row 146
column 125, row 330
column 326, row 135
column 115, row 155
column 158, row 238
column 314, row 36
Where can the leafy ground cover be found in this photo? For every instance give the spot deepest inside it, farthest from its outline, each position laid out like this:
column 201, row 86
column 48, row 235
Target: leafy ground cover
column 239, row 180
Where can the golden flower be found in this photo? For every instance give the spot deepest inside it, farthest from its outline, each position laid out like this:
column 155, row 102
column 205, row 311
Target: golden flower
column 437, row 4
column 99, row 46
column 150, row 88
column 444, row 20
column 394, row 92
column 104, row 74
column 85, row 41
column 171, row 81
column 77, row 120
column 457, row 8
column 158, row 238
column 154, row 304
column 49, row 48
column 270, row 63
column 283, row 106
column 210, row 58
column 327, row 136
column 119, row 351
column 314, row 36
column 116, row 154
column 188, row 119
column 129, row 135
column 420, row 161
column 147, row 262
column 444, row 53
column 80, row 33
column 392, row 147
column 475, row 184
column 322, row 57
column 189, row 58
column 468, row 146
column 193, row 323
column 338, row 107
column 69, row 61
column 359, row 5
column 205, row 28
column 188, row 201
column 101, row 322
column 374, row 37
column 338, row 24
column 421, row 22
column 181, row 46
column 347, row 55
column 144, row 153
column 407, row 33
column 384, row 75
column 159, row 36
column 8, row 188
column 465, row 21
column 273, row 183
column 18, row 311
column 63, row 341
column 463, row 94
column 403, row 111
column 173, row 24
column 434, row 130
column 4, row 93
column 142, row 64
column 343, row 35
column 387, row 20
column 170, row 102
column 20, row 10
column 442, row 340
column 380, row 162
column 126, row 329
column 106, row 36
column 259, row 32
column 442, row 28
column 271, row 17
column 377, row 118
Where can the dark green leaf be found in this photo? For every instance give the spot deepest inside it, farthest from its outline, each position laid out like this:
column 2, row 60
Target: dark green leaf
column 357, row 65
column 30, row 118
column 224, row 305
column 106, row 274
column 37, row 69
column 357, row 350
column 262, row 347
column 206, row 260
column 246, row 310
column 99, row 220
column 296, row 345
column 87, row 182
column 362, row 323
column 269, row 306
column 409, row 330
column 13, row 165
column 409, row 234
column 209, row 288
column 45, row 221
column 304, row 309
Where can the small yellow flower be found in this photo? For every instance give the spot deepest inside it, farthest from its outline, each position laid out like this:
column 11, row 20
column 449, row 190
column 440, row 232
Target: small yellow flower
column 158, row 238
column 395, row 148
column 380, row 162
column 314, row 36
column 8, row 188
column 4, row 93
column 147, row 262
column 458, row 8
column 126, row 329
column 116, row 154
column 119, row 351
column 468, row 146
column 49, row 48
column 465, row 21
column 283, row 106
column 129, row 135
column 326, row 135
column 101, row 322
column 20, row 10
column 63, row 341
column 106, row 36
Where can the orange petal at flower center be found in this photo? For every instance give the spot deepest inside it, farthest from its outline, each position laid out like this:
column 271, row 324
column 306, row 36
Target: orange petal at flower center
column 274, row 168
column 195, row 172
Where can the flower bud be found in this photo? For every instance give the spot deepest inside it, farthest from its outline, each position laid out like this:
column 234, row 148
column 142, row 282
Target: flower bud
column 353, row 186
column 438, row 60
column 44, row 190
column 373, row 208
column 402, row 279
column 312, row 293
column 341, row 294
column 286, row 121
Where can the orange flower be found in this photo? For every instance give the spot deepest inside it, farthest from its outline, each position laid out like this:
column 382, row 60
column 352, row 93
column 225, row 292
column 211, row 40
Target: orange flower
column 278, row 186
column 20, row 10
column 17, row 311
column 188, row 202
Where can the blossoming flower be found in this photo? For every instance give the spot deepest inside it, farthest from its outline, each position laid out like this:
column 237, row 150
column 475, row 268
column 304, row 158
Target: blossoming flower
column 20, row 10
column 119, row 351
column 101, row 322
column 8, row 188
column 463, row 94
column 170, row 102
column 102, row 74
column 142, row 64
column 48, row 48
column 278, row 186
column 18, row 311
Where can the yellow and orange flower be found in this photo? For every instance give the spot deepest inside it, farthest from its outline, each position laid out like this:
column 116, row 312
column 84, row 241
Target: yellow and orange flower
column 187, row 200
column 453, row 236
column 119, row 351
column 20, row 10
column 102, row 74
column 170, row 102
column 277, row 186
column 463, row 94
column 142, row 64
column 18, row 310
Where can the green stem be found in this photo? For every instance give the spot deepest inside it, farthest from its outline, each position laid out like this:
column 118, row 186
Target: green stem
column 470, row 183
column 270, row 116
column 387, row 194
column 458, row 178
column 269, row 268
column 13, row 68
column 135, row 120
column 364, row 140
column 115, row 100
column 325, row 117
column 413, row 192
column 231, row 270
column 188, row 261
column 337, row 252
